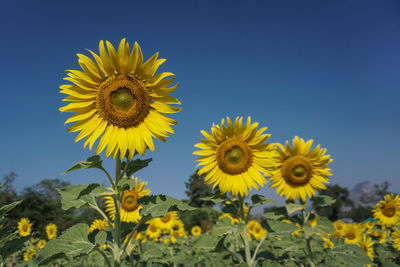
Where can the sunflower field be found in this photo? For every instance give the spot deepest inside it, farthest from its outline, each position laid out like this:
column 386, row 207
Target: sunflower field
column 119, row 100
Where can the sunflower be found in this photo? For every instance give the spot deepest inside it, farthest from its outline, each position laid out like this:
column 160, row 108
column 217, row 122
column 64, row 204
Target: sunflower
column 118, row 99
column 313, row 220
column 153, row 231
column 339, row 227
column 41, row 243
column 298, row 172
column 177, row 230
column 256, row 230
column 387, row 211
column 24, row 227
column 196, row 230
column 370, row 224
column 129, row 206
column 327, row 243
column 396, row 239
column 368, row 246
column 235, row 156
column 28, row 255
column 167, row 222
column 98, row 225
column 352, row 234
column 51, row 231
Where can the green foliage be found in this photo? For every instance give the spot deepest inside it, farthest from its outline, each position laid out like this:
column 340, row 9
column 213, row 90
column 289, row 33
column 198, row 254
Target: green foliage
column 159, row 205
column 323, row 201
column 294, row 207
column 204, row 217
column 135, row 165
column 78, row 196
column 91, row 162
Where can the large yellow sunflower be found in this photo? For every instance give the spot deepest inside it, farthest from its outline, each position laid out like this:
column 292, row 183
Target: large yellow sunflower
column 235, row 156
column 368, row 246
column 129, row 206
column 352, row 234
column 387, row 211
column 152, row 230
column 24, row 227
column 299, row 172
column 119, row 98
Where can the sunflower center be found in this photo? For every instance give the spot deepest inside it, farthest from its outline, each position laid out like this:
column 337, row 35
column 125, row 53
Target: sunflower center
column 25, row 228
column 234, row 156
column 297, row 170
column 351, row 236
column 153, row 229
column 166, row 218
column 123, row 101
column 129, row 202
column 389, row 211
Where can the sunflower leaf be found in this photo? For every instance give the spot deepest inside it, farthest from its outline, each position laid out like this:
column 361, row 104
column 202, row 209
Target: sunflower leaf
column 6, row 208
column 12, row 245
column 323, row 200
column 78, row 196
column 216, row 198
column 206, row 242
column 125, row 183
column 73, row 242
column 293, row 207
column 135, row 165
column 159, row 205
column 261, row 200
column 91, row 162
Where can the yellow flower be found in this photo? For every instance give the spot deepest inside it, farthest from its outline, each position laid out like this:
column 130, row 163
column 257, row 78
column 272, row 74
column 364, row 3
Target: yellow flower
column 51, row 231
column 41, row 243
column 167, row 222
column 196, row 230
column 24, row 227
column 396, row 239
column 234, row 156
column 299, row 172
column 370, row 224
column 352, row 234
column 327, row 243
column 339, row 226
column 129, row 206
column 368, row 246
column 28, row 255
column 256, row 230
column 387, row 211
column 98, row 225
column 152, row 230
column 313, row 220
column 118, row 99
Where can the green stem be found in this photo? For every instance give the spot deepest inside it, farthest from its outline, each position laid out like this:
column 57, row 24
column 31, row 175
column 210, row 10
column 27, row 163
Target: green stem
column 117, row 220
column 130, row 237
column 104, row 256
column 245, row 237
column 108, row 176
column 309, row 253
column 253, row 259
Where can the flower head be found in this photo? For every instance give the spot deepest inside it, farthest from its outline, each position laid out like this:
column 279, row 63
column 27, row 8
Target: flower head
column 235, row 156
column 98, row 225
column 51, row 230
column 24, row 227
column 387, row 211
column 196, row 230
column 297, row 171
column 120, row 100
column 28, row 255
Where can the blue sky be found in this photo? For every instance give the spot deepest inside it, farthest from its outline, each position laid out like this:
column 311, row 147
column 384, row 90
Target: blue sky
column 326, row 70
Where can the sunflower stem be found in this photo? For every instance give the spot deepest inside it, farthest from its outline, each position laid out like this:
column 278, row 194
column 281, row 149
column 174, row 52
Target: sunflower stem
column 245, row 237
column 117, row 204
column 309, row 253
column 104, row 256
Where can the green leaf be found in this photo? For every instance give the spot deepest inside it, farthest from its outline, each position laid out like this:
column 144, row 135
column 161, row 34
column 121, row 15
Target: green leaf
column 101, row 238
column 12, row 245
column 78, row 196
column 323, row 200
column 261, row 200
column 92, row 162
column 206, row 241
column 347, row 255
column 159, row 205
column 273, row 215
column 293, row 207
column 151, row 250
column 324, row 226
column 280, row 228
column 125, row 183
column 135, row 165
column 73, row 242
column 6, row 208
column 216, row 198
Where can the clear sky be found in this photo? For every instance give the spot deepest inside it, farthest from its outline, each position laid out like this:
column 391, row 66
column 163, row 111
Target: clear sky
column 326, row 70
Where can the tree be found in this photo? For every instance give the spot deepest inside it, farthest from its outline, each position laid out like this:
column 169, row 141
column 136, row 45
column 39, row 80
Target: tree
column 343, row 204
column 197, row 189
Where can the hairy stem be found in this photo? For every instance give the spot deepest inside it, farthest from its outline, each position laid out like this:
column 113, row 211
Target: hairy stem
column 245, row 237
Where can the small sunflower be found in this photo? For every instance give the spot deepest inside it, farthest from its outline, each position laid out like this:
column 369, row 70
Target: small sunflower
column 339, row 227
column 256, row 230
column 370, row 224
column 118, row 99
column 153, row 231
column 387, row 211
column 196, row 230
column 352, row 234
column 129, row 206
column 41, row 243
column 98, row 225
column 167, row 222
column 28, row 255
column 368, row 246
column 327, row 243
column 313, row 220
column 396, row 239
column 235, row 156
column 24, row 227
column 51, row 231
column 298, row 172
